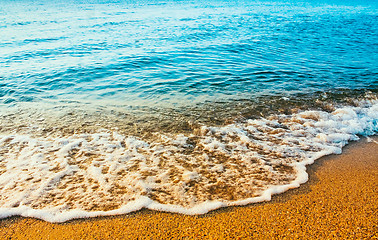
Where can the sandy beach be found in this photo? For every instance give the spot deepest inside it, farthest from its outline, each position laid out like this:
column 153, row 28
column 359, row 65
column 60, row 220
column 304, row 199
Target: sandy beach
column 338, row 202
column 112, row 112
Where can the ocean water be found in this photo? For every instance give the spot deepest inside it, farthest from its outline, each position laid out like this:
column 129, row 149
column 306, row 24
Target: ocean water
column 107, row 107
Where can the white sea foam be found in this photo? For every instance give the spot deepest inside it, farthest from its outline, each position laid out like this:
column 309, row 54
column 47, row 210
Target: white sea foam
column 106, row 173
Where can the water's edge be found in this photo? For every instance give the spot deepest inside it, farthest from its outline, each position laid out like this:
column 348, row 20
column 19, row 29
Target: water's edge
column 279, row 147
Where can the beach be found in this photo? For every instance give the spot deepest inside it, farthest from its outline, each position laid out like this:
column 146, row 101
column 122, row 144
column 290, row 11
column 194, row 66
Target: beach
column 196, row 120
column 338, row 202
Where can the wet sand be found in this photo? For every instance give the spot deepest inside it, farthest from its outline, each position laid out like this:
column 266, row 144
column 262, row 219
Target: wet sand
column 338, row 202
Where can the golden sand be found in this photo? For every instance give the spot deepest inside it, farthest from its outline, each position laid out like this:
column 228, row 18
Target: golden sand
column 338, row 202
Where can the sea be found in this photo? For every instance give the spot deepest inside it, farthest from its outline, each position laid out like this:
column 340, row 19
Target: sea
column 108, row 107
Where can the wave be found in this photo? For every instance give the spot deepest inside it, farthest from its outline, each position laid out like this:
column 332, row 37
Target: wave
column 106, row 173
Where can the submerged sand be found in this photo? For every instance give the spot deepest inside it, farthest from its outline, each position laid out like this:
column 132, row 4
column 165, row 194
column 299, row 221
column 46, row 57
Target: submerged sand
column 338, row 202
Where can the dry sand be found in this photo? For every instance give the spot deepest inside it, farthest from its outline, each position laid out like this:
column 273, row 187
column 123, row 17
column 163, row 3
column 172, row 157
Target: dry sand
column 338, row 202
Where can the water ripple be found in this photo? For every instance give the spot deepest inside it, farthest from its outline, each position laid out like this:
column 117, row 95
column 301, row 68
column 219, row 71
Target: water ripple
column 184, row 52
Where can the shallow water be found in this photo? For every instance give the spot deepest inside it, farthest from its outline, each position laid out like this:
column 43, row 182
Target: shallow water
column 108, row 107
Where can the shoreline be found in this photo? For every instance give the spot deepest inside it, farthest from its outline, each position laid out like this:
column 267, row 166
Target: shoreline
column 338, row 201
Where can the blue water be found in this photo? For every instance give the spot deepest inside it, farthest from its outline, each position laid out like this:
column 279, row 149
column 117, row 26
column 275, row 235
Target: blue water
column 183, row 52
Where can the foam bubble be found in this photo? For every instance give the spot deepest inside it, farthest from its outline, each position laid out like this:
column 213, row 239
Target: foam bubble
column 107, row 173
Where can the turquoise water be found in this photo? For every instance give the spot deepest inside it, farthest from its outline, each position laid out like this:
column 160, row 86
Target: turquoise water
column 179, row 52
column 107, row 107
